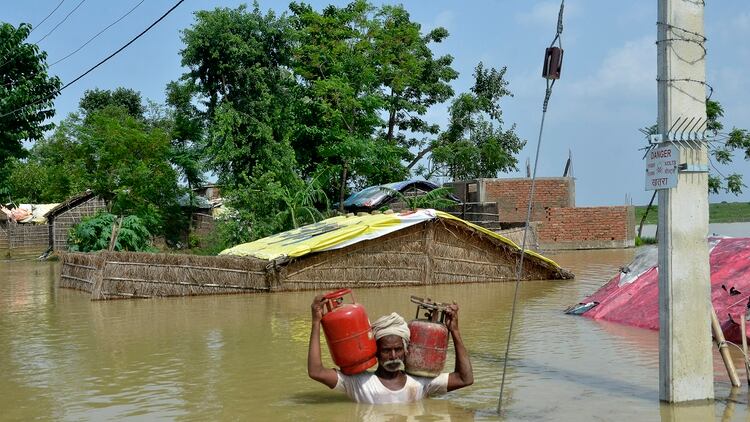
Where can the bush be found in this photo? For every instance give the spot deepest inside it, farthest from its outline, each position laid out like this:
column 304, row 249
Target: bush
column 640, row 241
column 93, row 234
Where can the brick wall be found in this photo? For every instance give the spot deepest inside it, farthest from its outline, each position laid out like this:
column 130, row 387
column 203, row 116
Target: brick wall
column 512, row 196
column 587, row 228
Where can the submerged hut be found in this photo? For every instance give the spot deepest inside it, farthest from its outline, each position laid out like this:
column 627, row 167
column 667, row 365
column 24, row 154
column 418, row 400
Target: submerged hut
column 371, row 250
column 415, row 247
column 69, row 213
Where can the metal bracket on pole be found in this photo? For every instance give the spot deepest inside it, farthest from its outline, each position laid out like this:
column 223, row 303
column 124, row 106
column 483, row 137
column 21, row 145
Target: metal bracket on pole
column 692, row 168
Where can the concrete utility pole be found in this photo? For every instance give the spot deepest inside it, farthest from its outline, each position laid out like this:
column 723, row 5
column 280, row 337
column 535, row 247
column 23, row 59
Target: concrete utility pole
column 685, row 349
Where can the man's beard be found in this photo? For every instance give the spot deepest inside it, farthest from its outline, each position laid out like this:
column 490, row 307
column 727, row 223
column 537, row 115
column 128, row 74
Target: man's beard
column 394, row 365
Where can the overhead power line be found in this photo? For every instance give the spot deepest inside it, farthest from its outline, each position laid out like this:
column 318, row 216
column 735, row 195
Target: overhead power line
column 61, row 22
column 13, row 53
column 84, row 44
column 47, row 17
column 101, row 62
column 98, row 33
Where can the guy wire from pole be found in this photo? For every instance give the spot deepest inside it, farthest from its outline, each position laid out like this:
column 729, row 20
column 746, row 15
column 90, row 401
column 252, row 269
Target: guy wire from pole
column 519, row 268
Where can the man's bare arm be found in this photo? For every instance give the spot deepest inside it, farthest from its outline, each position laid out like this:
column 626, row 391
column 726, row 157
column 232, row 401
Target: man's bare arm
column 315, row 368
column 462, row 374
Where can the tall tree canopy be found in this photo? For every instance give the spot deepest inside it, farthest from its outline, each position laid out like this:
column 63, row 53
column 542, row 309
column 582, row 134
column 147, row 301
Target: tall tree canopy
column 238, row 66
column 26, row 92
column 337, row 95
column 369, row 76
column 334, row 59
column 475, row 144
column 238, row 61
column 98, row 99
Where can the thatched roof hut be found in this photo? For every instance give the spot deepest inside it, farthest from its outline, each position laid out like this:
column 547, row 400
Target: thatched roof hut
column 69, row 213
column 420, row 247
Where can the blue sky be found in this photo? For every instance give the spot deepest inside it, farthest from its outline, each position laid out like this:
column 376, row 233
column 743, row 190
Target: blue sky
column 608, row 88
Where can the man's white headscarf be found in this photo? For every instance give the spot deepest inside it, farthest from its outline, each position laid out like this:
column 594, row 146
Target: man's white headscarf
column 392, row 324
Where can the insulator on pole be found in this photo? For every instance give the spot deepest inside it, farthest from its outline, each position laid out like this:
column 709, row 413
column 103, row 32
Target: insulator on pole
column 553, row 57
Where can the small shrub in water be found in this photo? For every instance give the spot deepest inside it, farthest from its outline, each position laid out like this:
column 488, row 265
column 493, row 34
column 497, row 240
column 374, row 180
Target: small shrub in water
column 93, row 234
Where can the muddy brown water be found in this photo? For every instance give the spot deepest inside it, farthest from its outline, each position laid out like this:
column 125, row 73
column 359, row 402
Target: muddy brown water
column 243, row 357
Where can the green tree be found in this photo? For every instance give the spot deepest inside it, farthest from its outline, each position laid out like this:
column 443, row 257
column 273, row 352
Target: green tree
column 301, row 206
column 118, row 156
column 359, row 64
column 238, row 68
column 187, row 133
column 98, row 99
column 334, row 58
column 723, row 150
column 412, row 79
column 475, row 144
column 128, row 163
column 26, row 92
column 55, row 168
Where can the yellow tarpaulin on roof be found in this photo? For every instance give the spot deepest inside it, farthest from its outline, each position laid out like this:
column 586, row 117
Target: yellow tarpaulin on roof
column 342, row 231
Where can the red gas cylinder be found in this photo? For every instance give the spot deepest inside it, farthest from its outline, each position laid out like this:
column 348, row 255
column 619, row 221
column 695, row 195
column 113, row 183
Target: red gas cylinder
column 428, row 341
column 348, row 333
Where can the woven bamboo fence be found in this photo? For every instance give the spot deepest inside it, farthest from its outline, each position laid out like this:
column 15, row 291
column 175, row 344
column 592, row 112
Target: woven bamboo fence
column 433, row 252
column 23, row 239
column 112, row 275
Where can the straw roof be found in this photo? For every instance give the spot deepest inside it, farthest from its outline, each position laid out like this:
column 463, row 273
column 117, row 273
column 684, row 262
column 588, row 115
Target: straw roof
column 345, row 231
column 70, row 203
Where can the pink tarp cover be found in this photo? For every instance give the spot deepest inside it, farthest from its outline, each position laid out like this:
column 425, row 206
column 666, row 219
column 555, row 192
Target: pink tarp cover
column 636, row 303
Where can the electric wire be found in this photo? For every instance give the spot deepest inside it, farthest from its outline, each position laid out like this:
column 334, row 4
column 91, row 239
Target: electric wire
column 100, row 62
column 84, row 44
column 61, row 22
column 519, row 267
column 13, row 53
column 46, row 17
column 98, row 33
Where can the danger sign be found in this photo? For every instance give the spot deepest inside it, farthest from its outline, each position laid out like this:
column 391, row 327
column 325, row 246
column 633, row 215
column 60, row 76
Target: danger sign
column 661, row 167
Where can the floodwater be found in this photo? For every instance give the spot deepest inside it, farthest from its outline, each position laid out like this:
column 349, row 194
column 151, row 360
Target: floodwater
column 243, row 357
column 714, row 229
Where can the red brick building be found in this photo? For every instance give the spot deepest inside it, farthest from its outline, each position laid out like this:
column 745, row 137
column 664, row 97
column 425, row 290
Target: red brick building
column 559, row 223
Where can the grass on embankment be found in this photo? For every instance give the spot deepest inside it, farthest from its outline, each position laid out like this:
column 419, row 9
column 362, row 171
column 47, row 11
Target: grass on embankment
column 725, row 212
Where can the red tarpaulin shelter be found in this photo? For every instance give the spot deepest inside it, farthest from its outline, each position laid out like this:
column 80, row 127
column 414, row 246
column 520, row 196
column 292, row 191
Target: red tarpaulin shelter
column 632, row 296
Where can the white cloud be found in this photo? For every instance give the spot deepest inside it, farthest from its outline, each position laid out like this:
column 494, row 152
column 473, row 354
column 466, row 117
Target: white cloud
column 629, row 70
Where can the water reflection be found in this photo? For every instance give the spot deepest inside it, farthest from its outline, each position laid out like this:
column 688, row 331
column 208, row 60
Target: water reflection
column 64, row 357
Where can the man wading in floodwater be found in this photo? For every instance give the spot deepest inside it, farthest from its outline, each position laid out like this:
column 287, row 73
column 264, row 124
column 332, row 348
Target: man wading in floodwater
column 389, row 383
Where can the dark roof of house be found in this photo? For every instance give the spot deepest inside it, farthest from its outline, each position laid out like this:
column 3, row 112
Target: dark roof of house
column 72, row 202
column 374, row 197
